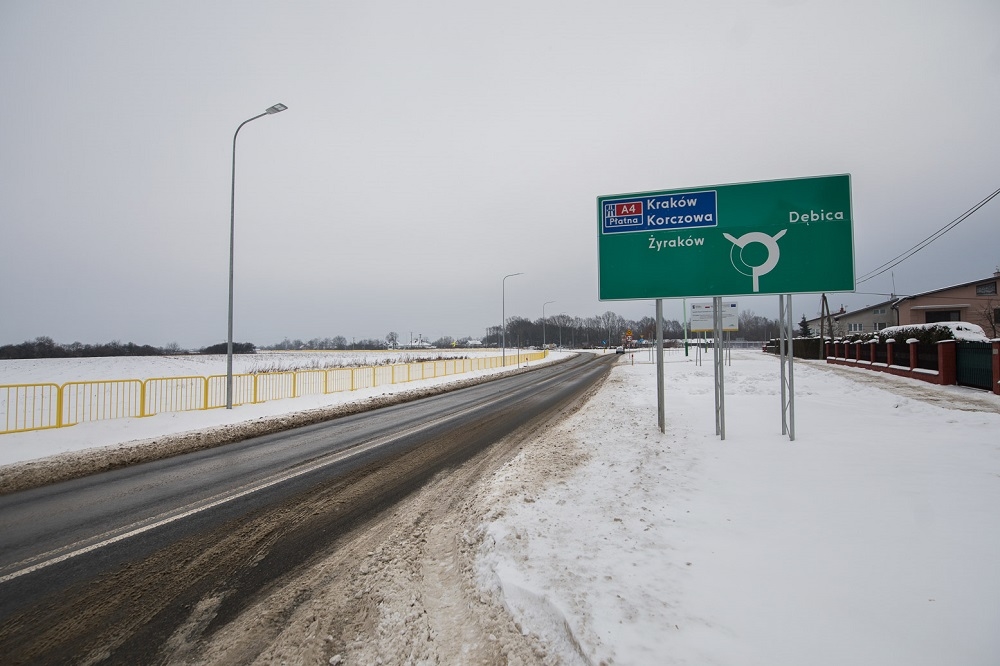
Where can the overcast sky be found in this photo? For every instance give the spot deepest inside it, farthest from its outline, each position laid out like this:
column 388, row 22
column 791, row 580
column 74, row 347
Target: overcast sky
column 430, row 148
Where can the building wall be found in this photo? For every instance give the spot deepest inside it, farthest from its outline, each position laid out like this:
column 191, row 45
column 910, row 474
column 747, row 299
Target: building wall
column 872, row 318
column 963, row 303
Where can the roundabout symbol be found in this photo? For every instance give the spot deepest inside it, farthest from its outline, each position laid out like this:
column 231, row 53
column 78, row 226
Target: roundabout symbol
column 773, row 254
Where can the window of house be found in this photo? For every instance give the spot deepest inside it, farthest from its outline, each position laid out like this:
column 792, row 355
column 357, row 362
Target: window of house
column 879, row 325
column 934, row 316
column 988, row 289
column 878, row 311
column 855, row 328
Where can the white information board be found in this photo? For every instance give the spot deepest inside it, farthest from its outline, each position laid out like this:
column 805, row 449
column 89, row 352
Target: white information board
column 702, row 320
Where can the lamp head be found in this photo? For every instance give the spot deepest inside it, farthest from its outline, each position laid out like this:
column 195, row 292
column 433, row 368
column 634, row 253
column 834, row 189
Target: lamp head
column 277, row 108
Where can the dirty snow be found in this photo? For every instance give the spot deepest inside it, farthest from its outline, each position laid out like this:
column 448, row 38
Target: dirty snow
column 871, row 539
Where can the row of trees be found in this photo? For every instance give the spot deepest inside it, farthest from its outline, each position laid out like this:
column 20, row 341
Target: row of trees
column 46, row 347
column 606, row 330
column 609, row 330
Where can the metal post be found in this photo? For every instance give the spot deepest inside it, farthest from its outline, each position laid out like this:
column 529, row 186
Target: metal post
column 787, row 366
column 543, row 322
column 720, row 395
column 685, row 306
column 661, row 418
column 791, row 373
column 503, row 318
column 232, row 234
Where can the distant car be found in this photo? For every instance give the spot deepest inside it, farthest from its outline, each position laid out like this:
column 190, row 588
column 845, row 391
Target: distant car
column 619, row 350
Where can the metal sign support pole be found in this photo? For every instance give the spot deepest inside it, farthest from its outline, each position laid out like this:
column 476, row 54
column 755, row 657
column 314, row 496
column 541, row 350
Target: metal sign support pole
column 661, row 418
column 720, row 364
column 787, row 366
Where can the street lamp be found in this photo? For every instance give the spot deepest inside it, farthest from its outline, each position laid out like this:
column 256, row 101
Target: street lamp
column 503, row 318
column 277, row 108
column 543, row 322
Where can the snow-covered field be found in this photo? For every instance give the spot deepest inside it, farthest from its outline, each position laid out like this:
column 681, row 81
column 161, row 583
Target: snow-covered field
column 872, row 539
column 61, row 370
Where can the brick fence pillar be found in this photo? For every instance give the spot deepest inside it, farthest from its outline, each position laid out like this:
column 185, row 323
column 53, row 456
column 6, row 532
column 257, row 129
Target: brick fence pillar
column 871, row 351
column 889, row 344
column 857, row 351
column 913, row 355
column 947, row 362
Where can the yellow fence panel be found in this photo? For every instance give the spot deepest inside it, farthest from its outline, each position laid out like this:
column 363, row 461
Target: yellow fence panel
column 36, row 406
column 339, row 379
column 310, row 382
column 101, row 400
column 273, row 386
column 243, row 390
column 174, row 394
column 383, row 375
column 30, row 407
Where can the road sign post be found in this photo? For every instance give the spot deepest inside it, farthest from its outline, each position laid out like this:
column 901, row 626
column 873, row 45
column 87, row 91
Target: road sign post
column 768, row 237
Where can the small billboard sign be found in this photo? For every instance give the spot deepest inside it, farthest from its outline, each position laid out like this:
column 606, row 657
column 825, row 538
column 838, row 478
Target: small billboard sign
column 702, row 317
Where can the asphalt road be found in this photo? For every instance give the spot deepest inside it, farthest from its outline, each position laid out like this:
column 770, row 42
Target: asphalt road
column 107, row 568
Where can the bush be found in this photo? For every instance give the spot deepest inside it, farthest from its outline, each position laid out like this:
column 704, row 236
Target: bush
column 45, row 347
column 926, row 335
column 223, row 348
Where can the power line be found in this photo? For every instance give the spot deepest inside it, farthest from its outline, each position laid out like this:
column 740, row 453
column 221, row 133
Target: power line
column 925, row 242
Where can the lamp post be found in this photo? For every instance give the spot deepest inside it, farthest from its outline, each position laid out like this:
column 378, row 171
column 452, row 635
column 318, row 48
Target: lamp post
column 543, row 322
column 277, row 108
column 503, row 318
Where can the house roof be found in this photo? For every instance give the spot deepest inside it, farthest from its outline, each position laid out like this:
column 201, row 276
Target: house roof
column 899, row 300
column 838, row 315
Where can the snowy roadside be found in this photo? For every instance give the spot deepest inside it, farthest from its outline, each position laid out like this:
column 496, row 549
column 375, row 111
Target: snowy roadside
column 871, row 539
column 34, row 457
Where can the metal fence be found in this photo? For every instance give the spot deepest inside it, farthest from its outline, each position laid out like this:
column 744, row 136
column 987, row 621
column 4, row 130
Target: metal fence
column 26, row 407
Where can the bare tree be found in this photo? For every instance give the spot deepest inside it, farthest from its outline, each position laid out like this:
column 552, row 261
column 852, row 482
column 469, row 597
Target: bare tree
column 990, row 313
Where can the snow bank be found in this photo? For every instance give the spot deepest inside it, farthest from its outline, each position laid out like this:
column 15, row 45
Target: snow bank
column 871, row 539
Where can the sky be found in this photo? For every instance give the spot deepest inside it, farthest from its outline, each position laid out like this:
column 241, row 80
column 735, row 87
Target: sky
column 430, row 149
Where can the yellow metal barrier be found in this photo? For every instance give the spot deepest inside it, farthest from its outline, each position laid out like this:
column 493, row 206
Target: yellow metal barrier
column 31, row 407
column 25, row 407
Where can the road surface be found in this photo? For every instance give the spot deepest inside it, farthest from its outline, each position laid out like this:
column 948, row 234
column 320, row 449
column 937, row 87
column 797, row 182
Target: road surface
column 146, row 564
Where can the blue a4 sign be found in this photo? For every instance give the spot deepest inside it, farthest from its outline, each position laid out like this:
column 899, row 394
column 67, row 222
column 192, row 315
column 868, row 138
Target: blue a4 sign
column 660, row 212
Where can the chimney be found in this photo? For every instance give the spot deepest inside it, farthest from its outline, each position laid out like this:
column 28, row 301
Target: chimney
column 996, row 273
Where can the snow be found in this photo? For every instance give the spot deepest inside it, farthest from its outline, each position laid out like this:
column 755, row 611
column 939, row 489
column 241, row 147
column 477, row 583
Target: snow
column 871, row 539
column 962, row 330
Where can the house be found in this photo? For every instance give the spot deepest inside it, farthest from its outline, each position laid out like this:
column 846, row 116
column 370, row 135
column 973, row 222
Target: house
column 976, row 302
column 864, row 320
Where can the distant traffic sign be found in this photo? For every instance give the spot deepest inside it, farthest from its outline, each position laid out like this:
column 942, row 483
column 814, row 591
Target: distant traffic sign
column 769, row 237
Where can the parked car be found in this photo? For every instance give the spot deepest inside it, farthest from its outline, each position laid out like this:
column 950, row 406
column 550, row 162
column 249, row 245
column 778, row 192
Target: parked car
column 619, row 350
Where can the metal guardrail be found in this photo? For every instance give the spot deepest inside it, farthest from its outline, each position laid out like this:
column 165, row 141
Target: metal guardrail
column 25, row 407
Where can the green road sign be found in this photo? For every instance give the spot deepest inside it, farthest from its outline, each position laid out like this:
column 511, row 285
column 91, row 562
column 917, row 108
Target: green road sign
column 771, row 237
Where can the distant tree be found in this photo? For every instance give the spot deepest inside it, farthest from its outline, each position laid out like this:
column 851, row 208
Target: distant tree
column 238, row 348
column 804, row 329
column 444, row 342
column 392, row 339
column 339, row 342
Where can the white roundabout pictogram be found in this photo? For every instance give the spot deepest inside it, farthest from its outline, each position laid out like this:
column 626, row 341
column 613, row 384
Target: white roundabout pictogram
column 773, row 253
